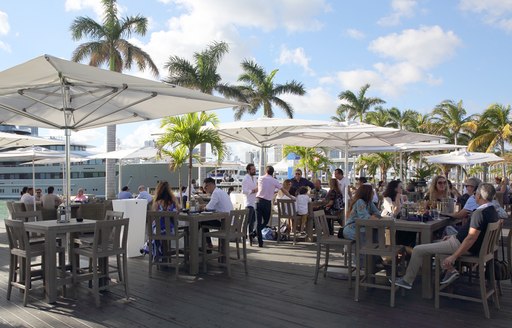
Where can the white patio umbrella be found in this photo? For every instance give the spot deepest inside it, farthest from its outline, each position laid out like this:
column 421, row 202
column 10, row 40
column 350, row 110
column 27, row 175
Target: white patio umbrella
column 257, row 132
column 31, row 154
column 10, row 140
column 54, row 93
column 345, row 135
column 463, row 157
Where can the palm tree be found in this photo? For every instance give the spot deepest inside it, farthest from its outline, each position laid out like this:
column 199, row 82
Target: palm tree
column 109, row 46
column 450, row 119
column 378, row 117
column 493, row 129
column 357, row 106
column 261, row 91
column 419, row 123
column 383, row 161
column 189, row 131
column 178, row 156
column 311, row 158
column 202, row 75
column 399, row 119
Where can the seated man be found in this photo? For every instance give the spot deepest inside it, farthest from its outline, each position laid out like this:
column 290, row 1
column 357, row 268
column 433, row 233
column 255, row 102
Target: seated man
column 28, row 198
column 469, row 239
column 143, row 194
column 50, row 200
column 318, row 193
column 124, row 194
column 219, row 202
column 467, row 201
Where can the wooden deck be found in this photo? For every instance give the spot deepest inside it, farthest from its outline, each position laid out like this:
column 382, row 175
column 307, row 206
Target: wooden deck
column 277, row 292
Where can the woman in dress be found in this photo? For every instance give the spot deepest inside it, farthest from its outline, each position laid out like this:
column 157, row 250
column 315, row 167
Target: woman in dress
column 393, row 199
column 361, row 207
column 334, row 198
column 164, row 200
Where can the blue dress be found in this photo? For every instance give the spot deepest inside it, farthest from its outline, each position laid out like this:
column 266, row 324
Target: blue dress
column 156, row 244
column 360, row 210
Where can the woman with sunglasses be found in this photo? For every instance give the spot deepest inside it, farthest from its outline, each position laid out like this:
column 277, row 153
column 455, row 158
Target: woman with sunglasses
column 438, row 189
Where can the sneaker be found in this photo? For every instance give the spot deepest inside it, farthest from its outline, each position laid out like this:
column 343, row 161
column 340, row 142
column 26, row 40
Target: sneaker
column 450, row 277
column 400, row 282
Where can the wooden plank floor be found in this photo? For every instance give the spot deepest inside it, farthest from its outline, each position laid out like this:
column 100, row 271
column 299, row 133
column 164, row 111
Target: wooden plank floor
column 277, row 292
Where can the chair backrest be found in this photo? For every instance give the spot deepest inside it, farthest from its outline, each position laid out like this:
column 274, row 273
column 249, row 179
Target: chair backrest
column 490, row 241
column 10, row 208
column 160, row 223
column 238, row 220
column 286, row 208
column 30, row 216
column 18, row 238
column 110, row 236
column 91, row 211
column 321, row 225
column 113, row 215
column 375, row 232
column 18, row 207
column 49, row 214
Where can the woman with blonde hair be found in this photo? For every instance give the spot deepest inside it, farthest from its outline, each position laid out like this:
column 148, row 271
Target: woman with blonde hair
column 438, row 189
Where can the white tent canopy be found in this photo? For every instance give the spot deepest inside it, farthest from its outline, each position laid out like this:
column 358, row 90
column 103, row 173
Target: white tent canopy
column 10, row 140
column 144, row 152
column 407, row 147
column 50, row 92
column 463, row 158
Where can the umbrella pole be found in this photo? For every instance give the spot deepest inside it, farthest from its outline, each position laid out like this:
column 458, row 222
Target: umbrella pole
column 120, row 178
column 401, row 167
column 67, row 132
column 34, row 181
column 345, row 192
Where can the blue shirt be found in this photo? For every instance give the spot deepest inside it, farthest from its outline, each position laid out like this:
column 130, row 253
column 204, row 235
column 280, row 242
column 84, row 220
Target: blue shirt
column 360, row 210
column 471, row 204
column 124, row 195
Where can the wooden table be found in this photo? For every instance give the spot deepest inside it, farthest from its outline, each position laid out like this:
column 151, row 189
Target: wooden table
column 426, row 231
column 51, row 229
column 193, row 240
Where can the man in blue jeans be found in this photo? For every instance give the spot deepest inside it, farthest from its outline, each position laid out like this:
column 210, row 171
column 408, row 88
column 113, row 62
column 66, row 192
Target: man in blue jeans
column 267, row 186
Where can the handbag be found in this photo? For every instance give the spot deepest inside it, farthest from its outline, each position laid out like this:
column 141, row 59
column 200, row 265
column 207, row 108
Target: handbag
column 501, row 267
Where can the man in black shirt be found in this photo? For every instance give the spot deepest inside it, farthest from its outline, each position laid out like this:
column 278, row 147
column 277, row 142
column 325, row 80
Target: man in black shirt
column 469, row 239
column 298, row 181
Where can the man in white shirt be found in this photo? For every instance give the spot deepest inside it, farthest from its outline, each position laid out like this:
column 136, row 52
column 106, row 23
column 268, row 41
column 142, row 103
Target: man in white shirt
column 29, row 199
column 219, row 202
column 143, row 194
column 192, row 191
column 342, row 182
column 249, row 189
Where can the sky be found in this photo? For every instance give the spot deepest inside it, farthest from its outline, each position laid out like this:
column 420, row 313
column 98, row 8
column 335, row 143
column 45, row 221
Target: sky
column 413, row 53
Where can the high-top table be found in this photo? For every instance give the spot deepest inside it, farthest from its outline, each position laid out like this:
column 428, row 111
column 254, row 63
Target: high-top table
column 426, row 231
column 51, row 229
column 193, row 221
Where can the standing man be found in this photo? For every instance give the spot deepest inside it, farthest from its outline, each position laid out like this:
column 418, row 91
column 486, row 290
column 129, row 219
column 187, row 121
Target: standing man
column 249, row 189
column 342, row 183
column 298, row 181
column 267, row 186
column 50, row 200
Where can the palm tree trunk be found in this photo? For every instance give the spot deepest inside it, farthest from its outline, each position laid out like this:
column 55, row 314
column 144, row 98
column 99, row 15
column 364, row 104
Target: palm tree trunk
column 189, row 174
column 504, row 167
column 110, row 166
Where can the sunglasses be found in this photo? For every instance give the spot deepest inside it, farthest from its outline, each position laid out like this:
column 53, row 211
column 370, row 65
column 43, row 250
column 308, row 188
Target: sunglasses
column 441, row 182
column 298, row 173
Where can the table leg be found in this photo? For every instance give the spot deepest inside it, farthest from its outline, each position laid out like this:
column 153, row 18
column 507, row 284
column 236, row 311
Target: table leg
column 50, row 267
column 426, row 275
column 192, row 247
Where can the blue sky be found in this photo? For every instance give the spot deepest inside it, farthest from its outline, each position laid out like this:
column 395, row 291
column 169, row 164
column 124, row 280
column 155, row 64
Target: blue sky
column 414, row 53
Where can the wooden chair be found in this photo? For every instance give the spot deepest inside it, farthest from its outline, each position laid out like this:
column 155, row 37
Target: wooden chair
column 158, row 231
column 368, row 248
column 509, row 251
column 91, row 211
column 110, row 239
column 235, row 232
column 484, row 261
column 324, row 238
column 287, row 211
column 22, row 252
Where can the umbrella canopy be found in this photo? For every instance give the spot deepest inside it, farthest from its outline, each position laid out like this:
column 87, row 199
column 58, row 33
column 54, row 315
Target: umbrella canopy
column 258, row 132
column 145, row 152
column 463, row 158
column 406, row 147
column 9, row 140
column 50, row 92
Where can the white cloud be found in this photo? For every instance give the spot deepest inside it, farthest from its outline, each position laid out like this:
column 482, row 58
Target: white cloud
column 202, row 22
column 354, row 34
column 496, row 13
column 142, row 133
column 400, row 9
column 4, row 23
column 295, row 56
column 78, row 5
column 316, row 101
column 425, row 47
column 5, row 46
column 411, row 53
